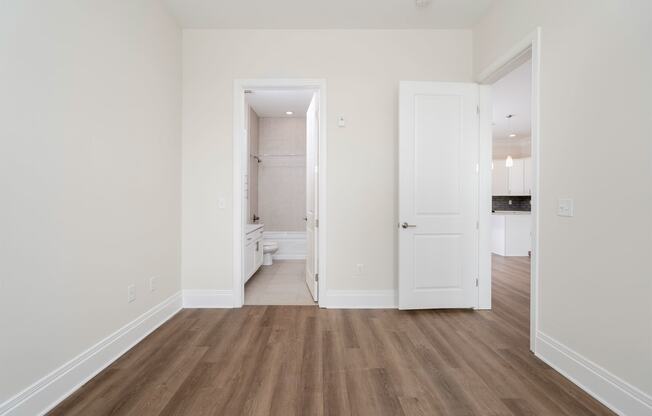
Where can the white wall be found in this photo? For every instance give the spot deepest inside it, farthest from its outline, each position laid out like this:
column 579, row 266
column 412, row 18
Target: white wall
column 362, row 69
column 282, row 178
column 596, row 147
column 89, row 175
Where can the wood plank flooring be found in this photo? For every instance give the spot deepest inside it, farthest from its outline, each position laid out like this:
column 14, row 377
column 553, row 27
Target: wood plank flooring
column 302, row 360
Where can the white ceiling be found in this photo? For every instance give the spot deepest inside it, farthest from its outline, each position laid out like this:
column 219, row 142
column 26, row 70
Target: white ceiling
column 512, row 94
column 326, row 14
column 274, row 103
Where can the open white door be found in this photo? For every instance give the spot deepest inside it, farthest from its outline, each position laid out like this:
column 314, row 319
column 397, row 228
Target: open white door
column 312, row 195
column 438, row 194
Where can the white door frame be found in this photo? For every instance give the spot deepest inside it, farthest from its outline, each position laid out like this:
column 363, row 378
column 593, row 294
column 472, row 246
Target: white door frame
column 529, row 47
column 239, row 164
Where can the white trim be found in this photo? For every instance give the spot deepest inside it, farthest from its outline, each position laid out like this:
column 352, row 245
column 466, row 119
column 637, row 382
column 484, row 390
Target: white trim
column 613, row 392
column 361, row 299
column 484, row 197
column 208, row 299
column 239, row 85
column 513, row 58
column 529, row 47
column 289, row 257
column 52, row 389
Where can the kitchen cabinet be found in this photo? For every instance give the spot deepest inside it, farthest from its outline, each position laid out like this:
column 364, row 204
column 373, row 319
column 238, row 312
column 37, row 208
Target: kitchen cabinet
column 500, row 178
column 527, row 175
column 511, row 233
column 516, row 180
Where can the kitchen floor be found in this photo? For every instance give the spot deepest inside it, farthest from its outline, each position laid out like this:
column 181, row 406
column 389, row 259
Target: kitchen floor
column 282, row 283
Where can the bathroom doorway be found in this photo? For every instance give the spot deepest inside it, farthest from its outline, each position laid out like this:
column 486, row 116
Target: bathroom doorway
column 280, row 144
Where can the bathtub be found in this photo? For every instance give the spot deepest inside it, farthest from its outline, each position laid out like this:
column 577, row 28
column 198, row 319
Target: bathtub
column 291, row 244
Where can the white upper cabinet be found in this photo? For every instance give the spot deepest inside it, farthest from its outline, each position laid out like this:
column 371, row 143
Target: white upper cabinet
column 500, row 179
column 516, row 180
column 527, row 175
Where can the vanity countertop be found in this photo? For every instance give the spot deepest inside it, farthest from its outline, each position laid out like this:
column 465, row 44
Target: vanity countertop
column 252, row 227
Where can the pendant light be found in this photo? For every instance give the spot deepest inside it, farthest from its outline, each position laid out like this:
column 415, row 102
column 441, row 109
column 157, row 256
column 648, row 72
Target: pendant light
column 509, row 162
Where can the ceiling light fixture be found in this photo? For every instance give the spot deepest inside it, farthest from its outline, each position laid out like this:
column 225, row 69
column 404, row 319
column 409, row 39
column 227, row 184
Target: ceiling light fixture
column 289, row 113
column 509, row 125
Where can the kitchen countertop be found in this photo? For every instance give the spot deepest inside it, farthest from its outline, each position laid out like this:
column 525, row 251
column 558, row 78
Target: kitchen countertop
column 252, row 227
column 511, row 213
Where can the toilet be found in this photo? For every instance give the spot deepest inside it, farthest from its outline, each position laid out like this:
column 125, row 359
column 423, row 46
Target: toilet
column 269, row 248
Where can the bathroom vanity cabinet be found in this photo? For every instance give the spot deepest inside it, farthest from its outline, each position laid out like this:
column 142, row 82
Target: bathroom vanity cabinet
column 253, row 250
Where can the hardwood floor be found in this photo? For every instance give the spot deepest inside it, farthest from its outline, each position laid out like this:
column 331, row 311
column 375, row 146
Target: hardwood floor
column 302, row 360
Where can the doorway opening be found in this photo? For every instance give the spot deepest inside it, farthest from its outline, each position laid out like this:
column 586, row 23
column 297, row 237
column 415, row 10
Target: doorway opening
column 511, row 194
column 509, row 185
column 279, row 143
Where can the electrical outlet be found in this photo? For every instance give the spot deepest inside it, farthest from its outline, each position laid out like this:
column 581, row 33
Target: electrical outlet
column 131, row 293
column 152, row 284
column 359, row 270
column 509, row 202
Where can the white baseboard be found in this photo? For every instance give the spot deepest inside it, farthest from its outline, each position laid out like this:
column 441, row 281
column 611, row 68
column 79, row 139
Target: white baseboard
column 360, row 299
column 613, row 392
column 208, row 299
column 50, row 390
column 289, row 257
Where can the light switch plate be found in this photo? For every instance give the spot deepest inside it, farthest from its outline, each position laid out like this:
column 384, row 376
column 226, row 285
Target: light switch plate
column 341, row 122
column 565, row 207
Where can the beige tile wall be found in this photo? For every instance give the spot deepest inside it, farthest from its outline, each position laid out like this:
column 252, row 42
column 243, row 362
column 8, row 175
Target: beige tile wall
column 282, row 174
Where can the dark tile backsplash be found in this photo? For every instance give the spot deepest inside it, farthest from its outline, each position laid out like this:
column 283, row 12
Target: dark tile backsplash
column 519, row 203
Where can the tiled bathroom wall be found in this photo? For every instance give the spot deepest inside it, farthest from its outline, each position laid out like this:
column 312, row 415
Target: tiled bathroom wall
column 282, row 173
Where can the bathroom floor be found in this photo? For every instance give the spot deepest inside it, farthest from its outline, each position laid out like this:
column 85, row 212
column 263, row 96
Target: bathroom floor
column 282, row 283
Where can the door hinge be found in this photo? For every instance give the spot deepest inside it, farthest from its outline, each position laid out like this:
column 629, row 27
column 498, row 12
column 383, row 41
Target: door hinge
column 477, row 109
column 317, row 223
column 477, row 283
column 316, row 277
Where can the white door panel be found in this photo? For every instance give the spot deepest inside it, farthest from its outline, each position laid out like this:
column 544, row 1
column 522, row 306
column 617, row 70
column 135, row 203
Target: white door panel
column 312, row 195
column 438, row 159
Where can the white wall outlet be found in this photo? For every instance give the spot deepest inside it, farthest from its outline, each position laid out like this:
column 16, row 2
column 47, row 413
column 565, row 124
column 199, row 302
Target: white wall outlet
column 152, row 284
column 565, row 207
column 221, row 203
column 509, row 202
column 341, row 122
column 359, row 269
column 131, row 293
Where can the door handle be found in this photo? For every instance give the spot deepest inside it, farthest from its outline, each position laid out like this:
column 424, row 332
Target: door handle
column 406, row 225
